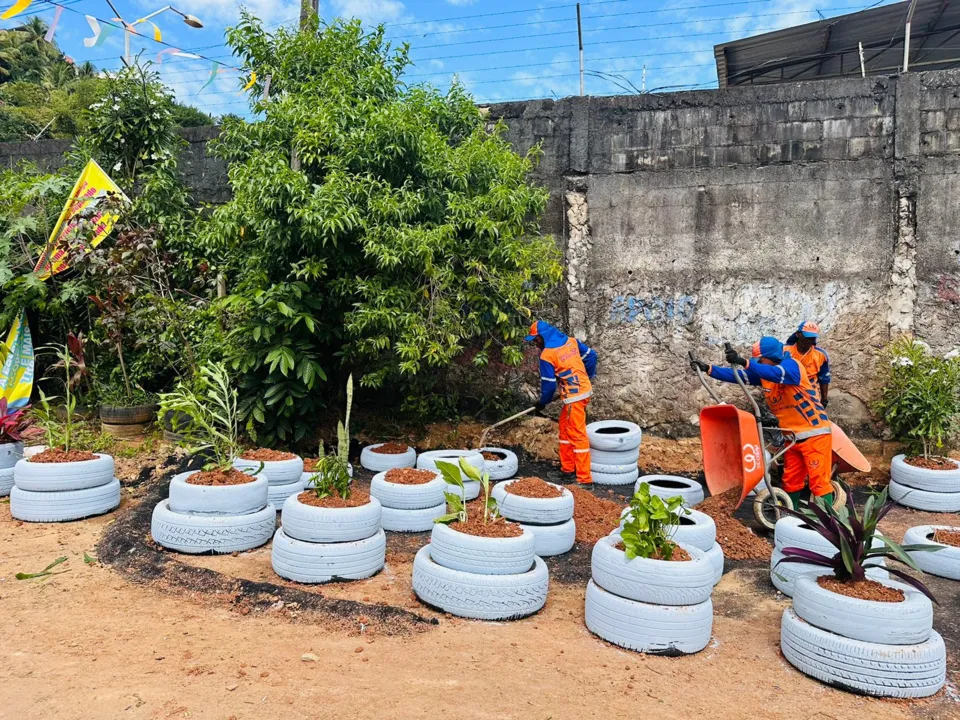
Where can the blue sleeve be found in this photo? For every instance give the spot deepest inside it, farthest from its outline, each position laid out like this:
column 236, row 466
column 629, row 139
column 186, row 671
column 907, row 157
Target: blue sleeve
column 725, row 374
column 824, row 375
column 786, row 373
column 589, row 358
column 548, row 381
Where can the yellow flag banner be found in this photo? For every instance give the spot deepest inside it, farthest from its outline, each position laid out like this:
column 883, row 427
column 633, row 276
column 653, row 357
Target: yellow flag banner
column 16, row 369
column 92, row 186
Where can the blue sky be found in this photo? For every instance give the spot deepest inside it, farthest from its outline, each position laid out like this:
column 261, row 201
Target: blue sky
column 501, row 49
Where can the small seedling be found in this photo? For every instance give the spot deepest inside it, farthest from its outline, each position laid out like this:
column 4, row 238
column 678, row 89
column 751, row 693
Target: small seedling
column 45, row 571
column 89, row 560
column 453, row 475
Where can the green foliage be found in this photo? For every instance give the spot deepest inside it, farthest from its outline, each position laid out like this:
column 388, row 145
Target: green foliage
column 650, row 524
column 331, row 477
column 455, row 504
column 46, row 571
column 58, row 434
column 920, row 396
column 372, row 224
column 343, row 427
column 210, row 419
column 189, row 116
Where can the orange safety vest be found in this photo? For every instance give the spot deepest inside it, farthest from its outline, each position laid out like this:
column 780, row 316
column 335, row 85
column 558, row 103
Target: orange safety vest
column 797, row 407
column 812, row 361
column 571, row 374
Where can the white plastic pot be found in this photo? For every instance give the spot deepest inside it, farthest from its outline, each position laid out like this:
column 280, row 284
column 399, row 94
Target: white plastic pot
column 60, row 476
column 217, row 499
column 938, row 481
column 408, row 497
column 380, row 462
column 944, row 562
column 668, row 486
column 313, row 524
column 616, row 435
column 10, row 453
column 278, row 472
column 501, row 469
column 484, row 555
column 308, row 562
column 541, row 511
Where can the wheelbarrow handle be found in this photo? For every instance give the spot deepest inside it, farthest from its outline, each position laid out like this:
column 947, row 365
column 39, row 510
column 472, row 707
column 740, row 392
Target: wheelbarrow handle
column 743, row 386
column 703, row 380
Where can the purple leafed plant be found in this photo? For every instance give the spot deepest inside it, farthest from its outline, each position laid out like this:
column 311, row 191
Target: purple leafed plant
column 13, row 424
column 852, row 535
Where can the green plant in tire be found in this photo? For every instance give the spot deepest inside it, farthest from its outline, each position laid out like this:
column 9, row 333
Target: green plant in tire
column 453, row 475
column 852, row 534
column 650, row 524
column 58, row 433
column 331, row 477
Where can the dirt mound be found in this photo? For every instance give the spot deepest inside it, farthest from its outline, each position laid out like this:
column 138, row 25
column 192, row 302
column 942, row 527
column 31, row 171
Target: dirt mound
column 736, row 539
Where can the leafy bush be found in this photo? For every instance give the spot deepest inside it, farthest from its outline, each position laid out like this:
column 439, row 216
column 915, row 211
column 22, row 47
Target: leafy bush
column 13, row 424
column 920, row 398
column 372, row 224
column 650, row 524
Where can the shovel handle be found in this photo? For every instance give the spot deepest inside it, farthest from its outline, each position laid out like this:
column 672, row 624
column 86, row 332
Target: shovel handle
column 483, row 435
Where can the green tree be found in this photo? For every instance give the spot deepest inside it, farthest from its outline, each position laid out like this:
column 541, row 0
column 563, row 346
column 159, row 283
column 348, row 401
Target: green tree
column 374, row 225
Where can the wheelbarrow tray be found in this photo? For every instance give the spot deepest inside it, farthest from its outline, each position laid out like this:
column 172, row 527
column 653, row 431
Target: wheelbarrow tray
column 846, row 457
column 731, row 450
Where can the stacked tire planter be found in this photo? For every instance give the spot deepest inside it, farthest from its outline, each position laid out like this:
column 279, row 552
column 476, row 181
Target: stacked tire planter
column 198, row 519
column 379, row 462
column 127, row 421
column 504, row 468
column 318, row 544
column 887, row 649
column 409, row 508
column 481, row 577
column 699, row 530
column 668, row 486
column 10, row 454
column 945, row 562
column 924, row 489
column 614, row 451
column 549, row 519
column 651, row 606
column 791, row 532
column 57, row 492
column 284, row 477
column 471, row 488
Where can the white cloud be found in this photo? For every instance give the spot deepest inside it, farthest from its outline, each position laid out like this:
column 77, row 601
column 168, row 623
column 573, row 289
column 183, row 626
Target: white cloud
column 461, row 3
column 369, row 11
column 225, row 12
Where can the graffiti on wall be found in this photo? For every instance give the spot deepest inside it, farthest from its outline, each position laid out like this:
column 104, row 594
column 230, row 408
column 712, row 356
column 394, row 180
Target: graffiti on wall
column 655, row 309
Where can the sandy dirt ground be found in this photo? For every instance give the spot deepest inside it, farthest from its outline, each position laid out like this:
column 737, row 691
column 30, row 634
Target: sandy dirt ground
column 90, row 643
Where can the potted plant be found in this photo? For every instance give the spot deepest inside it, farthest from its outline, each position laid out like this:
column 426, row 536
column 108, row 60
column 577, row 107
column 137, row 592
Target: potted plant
column 647, row 592
column 79, row 378
column 123, row 412
column 13, row 423
column 412, row 499
column 388, row 455
column 429, row 461
column 343, row 442
column 920, row 403
column 477, row 564
column 499, row 463
column 220, row 508
column 62, row 482
column 855, row 632
column 543, row 508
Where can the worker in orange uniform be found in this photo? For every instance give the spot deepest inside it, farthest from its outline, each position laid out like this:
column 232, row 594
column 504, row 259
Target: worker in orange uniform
column 569, row 364
column 802, row 347
column 793, row 399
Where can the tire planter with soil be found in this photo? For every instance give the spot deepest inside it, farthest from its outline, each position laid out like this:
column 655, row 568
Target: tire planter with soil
column 614, row 435
column 412, row 520
column 64, row 505
column 924, row 499
column 551, row 540
column 504, row 468
column 538, row 511
column 58, row 476
column 10, row 454
column 313, row 524
column 944, row 562
column 278, row 472
column 379, row 462
column 667, row 486
column 482, row 555
column 480, row 596
column 428, row 461
column 197, row 534
column 309, row 562
column 277, row 494
column 936, row 481
column 128, row 415
column 217, row 499
column 408, row 497
column 784, row 575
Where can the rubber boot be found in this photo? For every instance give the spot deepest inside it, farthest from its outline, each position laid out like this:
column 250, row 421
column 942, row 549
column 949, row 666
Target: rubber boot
column 795, row 498
column 827, row 499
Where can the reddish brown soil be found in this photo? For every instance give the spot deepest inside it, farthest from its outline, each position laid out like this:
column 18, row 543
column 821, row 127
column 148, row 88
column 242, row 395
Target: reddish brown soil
column 931, row 463
column 391, row 448
column 594, row 517
column 492, row 456
column 498, row 528
column 230, row 476
column 356, row 499
column 409, row 476
column 736, row 539
column 310, row 464
column 947, row 537
column 679, row 554
column 266, row 454
column 56, row 455
column 533, row 487
column 862, row 589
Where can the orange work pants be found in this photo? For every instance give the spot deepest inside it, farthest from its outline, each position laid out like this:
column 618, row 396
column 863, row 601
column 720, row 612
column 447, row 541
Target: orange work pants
column 809, row 460
column 574, row 444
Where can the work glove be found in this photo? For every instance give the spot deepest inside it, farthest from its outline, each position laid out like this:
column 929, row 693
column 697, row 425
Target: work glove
column 733, row 357
column 825, row 402
column 698, row 365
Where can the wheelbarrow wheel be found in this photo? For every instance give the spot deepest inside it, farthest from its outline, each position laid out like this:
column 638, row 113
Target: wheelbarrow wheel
column 839, row 496
column 763, row 509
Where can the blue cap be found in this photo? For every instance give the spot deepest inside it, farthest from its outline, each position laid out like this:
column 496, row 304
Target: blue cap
column 809, row 329
column 534, row 331
column 771, row 348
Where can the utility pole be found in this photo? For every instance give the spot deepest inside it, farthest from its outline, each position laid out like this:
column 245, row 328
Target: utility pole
column 580, row 39
column 863, row 67
column 906, row 36
column 643, row 79
column 306, row 7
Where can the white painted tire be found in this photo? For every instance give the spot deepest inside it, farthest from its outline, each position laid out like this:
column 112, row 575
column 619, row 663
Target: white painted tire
column 902, row 671
column 196, row 534
column 668, row 486
column 648, row 628
column 411, row 520
column 629, row 439
column 277, row 494
column 482, row 597
column 64, row 505
column 312, row 524
column 551, row 540
column 924, row 499
column 784, row 575
column 501, row 469
column 937, row 481
column 942, row 563
column 408, row 497
column 58, row 477
column 696, row 528
column 486, row 556
column 471, row 488
column 621, row 479
column 902, row 623
column 614, row 469
column 538, row 511
column 715, row 556
column 6, row 481
column 615, row 457
column 217, row 499
column 10, row 454
column 278, row 472
column 307, row 562
column 381, row 462
column 660, row 582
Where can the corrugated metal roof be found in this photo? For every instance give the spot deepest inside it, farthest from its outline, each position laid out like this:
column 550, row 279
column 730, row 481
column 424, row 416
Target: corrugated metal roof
column 829, row 48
